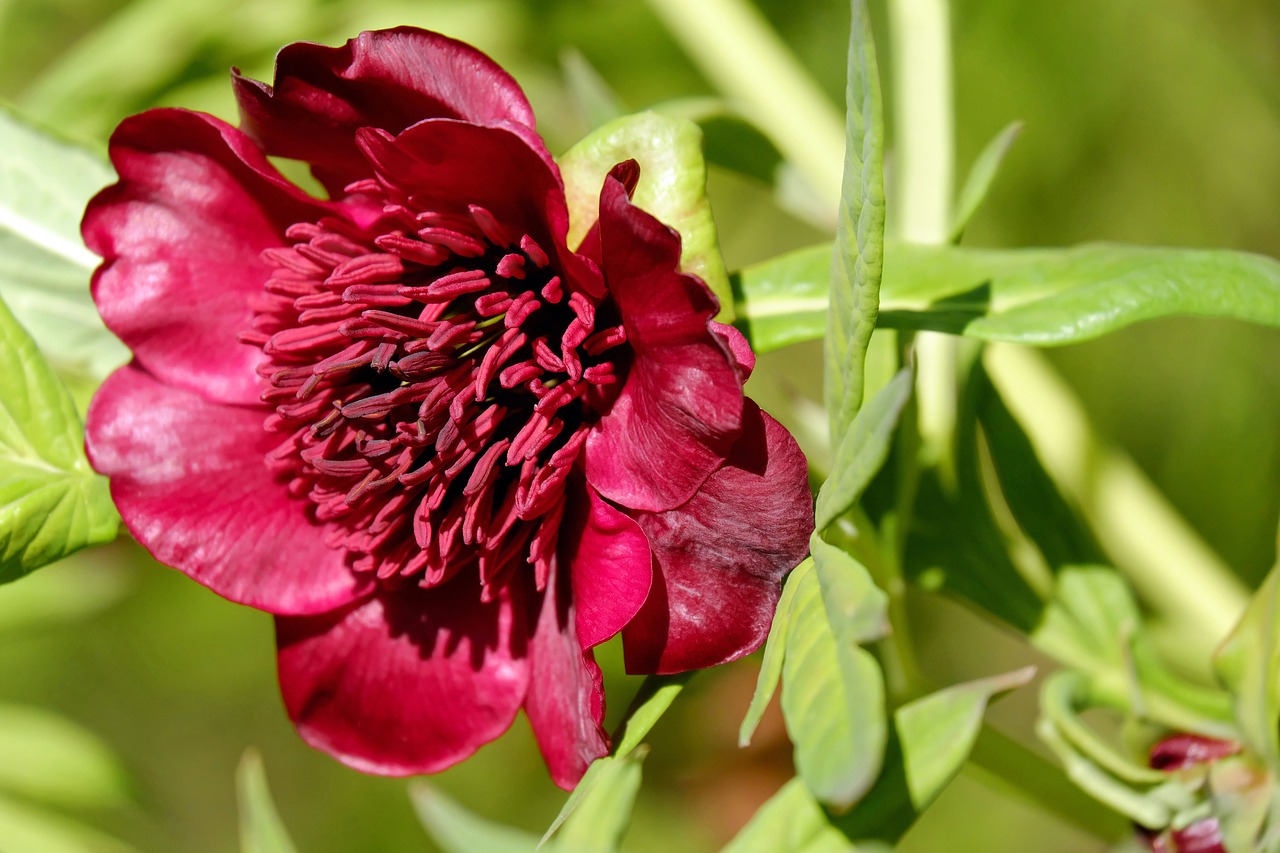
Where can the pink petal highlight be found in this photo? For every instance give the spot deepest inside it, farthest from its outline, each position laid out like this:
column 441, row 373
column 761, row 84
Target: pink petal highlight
column 181, row 235
column 565, row 704
column 407, row 682
column 722, row 556
column 189, row 480
column 387, row 79
column 681, row 407
column 610, row 564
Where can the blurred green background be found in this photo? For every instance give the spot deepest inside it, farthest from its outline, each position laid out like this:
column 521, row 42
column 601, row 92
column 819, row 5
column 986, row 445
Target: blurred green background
column 1149, row 121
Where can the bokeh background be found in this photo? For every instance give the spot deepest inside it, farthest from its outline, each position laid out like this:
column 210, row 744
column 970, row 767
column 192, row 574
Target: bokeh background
column 1149, row 121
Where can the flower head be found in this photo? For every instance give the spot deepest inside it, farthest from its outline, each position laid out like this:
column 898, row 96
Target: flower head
column 448, row 451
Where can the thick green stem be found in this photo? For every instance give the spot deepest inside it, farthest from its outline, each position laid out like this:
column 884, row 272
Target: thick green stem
column 920, row 32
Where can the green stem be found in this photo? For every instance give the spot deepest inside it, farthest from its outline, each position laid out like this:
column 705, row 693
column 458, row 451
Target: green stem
column 741, row 54
column 920, row 33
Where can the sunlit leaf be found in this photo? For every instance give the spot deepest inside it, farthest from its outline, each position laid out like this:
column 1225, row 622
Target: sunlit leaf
column 673, row 188
column 602, row 816
column 980, row 177
column 863, row 449
column 931, row 741
column 791, row 822
column 783, row 300
column 53, row 760
column 1058, row 296
column 261, row 830
column 832, row 702
column 27, row 829
column 44, row 266
column 859, row 246
column 654, row 698
column 1041, row 297
column 857, row 609
column 1249, row 665
column 51, row 501
column 651, row 702
column 456, row 829
column 774, row 651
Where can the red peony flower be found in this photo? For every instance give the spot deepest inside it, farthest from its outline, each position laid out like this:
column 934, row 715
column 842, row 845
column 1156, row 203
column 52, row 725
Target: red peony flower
column 449, row 452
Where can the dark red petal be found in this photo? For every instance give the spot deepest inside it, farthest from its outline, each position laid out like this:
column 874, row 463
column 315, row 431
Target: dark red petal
column 446, row 165
column 610, row 564
column 181, row 235
column 742, row 352
column 1180, row 751
column 190, row 482
column 388, row 79
column 565, row 704
column 412, row 681
column 681, row 407
column 721, row 557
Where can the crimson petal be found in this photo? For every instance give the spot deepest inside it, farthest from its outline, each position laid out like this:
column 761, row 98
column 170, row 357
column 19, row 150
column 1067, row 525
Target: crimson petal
column 411, row 682
column 190, row 482
column 447, row 165
column 610, row 564
column 721, row 557
column 681, row 407
column 565, row 704
column 182, row 234
column 387, row 79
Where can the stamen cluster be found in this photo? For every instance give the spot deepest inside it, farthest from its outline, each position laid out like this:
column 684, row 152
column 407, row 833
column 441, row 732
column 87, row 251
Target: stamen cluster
column 433, row 378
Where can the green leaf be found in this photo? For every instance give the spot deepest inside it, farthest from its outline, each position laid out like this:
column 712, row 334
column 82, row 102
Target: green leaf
column 855, row 606
column 455, row 829
column 774, row 651
column 931, row 741
column 1032, row 496
column 980, row 177
column 51, row 759
column 863, row 449
column 44, row 266
column 1041, row 297
column 25, row 829
column 1248, row 664
column 1093, row 624
column 601, row 818
column 938, row 731
column 51, row 502
column 652, row 701
column 1058, row 296
column 833, row 702
column 783, row 300
column 673, row 188
column 261, row 830
column 791, row 822
column 859, row 247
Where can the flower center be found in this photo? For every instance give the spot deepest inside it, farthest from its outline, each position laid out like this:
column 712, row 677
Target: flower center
column 433, row 378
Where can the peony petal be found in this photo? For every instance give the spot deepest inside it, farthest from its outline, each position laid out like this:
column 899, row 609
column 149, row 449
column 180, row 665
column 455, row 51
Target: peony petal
column 181, row 235
column 738, row 345
column 387, row 79
column 680, row 409
column 412, row 681
column 721, row 557
column 565, row 704
column 447, row 165
column 609, row 562
column 189, row 479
